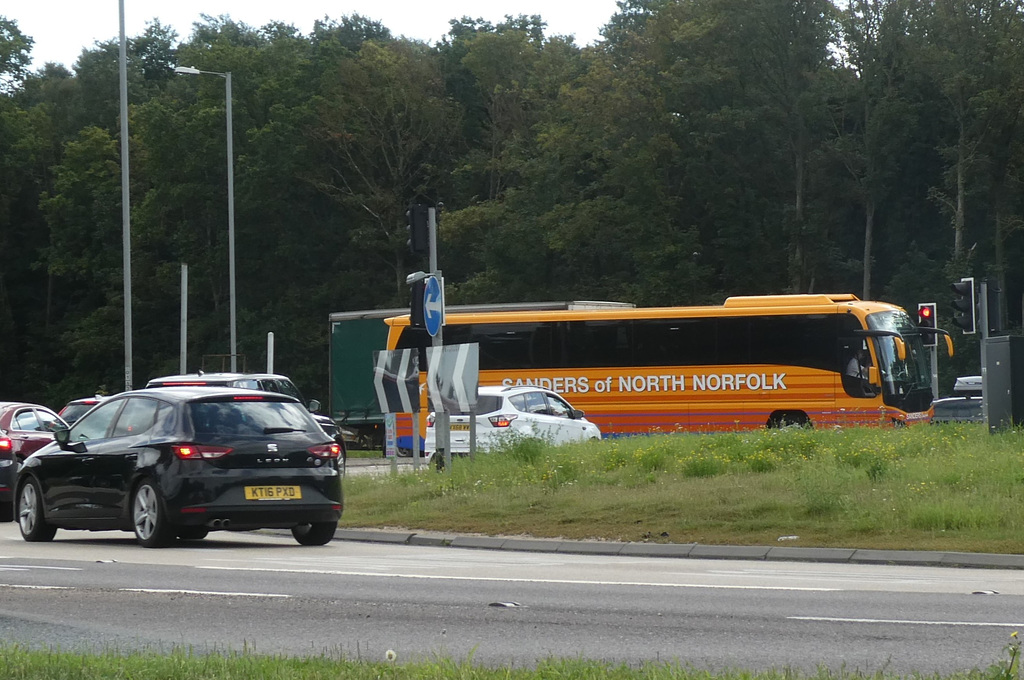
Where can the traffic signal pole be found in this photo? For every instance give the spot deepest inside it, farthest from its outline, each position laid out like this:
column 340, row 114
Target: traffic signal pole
column 442, row 430
column 935, row 371
column 984, row 330
column 927, row 322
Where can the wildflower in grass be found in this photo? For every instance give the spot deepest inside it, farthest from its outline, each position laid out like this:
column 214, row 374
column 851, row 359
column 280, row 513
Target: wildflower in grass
column 391, row 656
column 1011, row 669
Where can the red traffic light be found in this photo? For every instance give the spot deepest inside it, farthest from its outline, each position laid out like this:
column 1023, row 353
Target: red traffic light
column 927, row 323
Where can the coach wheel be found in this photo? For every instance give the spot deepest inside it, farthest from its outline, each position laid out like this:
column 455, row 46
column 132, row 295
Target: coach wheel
column 780, row 419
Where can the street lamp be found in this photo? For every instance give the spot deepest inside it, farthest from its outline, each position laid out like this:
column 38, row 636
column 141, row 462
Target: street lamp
column 191, row 71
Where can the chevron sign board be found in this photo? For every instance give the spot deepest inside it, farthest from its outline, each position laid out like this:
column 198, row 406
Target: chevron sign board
column 396, row 379
column 453, row 375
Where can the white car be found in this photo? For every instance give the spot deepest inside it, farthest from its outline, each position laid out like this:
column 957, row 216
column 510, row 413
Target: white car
column 503, row 413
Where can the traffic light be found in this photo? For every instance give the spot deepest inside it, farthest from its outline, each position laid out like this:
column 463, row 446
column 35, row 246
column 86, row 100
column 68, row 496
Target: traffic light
column 416, row 319
column 966, row 305
column 417, row 220
column 993, row 311
column 926, row 323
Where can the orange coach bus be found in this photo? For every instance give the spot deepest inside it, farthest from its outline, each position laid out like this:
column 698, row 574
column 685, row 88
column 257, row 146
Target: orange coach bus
column 753, row 362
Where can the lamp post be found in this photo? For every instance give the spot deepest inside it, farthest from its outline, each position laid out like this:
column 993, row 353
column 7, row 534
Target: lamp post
column 190, row 71
column 126, row 222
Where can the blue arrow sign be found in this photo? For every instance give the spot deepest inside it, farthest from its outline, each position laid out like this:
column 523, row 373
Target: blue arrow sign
column 433, row 305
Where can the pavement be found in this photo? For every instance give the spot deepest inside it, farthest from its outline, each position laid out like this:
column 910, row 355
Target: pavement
column 768, row 553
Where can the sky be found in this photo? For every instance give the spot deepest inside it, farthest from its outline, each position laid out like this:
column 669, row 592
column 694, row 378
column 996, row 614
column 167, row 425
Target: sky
column 61, row 29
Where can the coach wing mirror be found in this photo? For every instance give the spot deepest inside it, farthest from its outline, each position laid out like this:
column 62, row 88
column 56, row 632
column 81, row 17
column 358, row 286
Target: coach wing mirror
column 873, row 376
column 901, row 348
column 949, row 344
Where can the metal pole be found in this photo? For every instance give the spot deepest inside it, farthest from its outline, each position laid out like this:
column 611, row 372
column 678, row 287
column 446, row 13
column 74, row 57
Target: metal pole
column 270, row 352
column 982, row 321
column 126, row 229
column 935, row 366
column 183, row 363
column 231, row 226
column 441, row 424
column 416, row 438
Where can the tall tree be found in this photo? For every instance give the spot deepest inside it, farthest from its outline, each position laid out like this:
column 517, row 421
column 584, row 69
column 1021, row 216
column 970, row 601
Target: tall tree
column 387, row 131
column 872, row 117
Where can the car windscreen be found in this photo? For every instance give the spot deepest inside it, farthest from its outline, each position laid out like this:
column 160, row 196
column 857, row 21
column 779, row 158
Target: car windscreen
column 73, row 412
column 249, row 417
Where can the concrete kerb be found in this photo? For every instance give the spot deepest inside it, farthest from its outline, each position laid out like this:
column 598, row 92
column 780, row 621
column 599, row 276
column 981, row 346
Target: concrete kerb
column 688, row 550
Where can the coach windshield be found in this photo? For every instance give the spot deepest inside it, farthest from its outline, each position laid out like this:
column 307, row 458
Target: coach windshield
column 906, row 383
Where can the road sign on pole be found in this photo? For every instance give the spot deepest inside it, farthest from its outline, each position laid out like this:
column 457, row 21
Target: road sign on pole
column 433, row 305
column 453, row 377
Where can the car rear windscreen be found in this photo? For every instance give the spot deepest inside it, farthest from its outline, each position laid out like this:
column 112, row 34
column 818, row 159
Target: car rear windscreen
column 484, row 404
column 249, row 418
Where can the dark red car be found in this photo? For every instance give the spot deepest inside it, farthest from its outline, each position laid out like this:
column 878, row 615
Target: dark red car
column 24, row 428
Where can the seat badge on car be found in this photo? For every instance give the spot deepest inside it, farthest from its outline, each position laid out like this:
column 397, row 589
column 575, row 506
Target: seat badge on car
column 272, row 447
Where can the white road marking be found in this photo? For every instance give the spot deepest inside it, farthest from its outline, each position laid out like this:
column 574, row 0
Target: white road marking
column 13, row 567
column 443, row 577
column 198, row 592
column 15, row 585
column 832, row 619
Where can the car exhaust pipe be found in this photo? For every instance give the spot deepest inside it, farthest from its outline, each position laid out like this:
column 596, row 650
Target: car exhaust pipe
column 219, row 523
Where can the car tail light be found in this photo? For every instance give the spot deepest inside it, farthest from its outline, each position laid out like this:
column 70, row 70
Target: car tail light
column 331, row 450
column 6, row 445
column 246, row 397
column 196, row 451
column 501, row 420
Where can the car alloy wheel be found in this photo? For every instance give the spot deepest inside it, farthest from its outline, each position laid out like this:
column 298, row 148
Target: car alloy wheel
column 149, row 517
column 30, row 514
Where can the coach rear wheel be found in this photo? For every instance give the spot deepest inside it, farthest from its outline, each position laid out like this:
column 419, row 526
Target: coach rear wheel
column 787, row 419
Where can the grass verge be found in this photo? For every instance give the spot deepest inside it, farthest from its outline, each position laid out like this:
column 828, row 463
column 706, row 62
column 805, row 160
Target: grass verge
column 19, row 663
column 939, row 487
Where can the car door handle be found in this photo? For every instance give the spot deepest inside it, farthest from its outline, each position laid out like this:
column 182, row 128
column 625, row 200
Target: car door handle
column 88, row 459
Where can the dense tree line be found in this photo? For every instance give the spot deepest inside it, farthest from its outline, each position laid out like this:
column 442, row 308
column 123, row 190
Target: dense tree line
column 703, row 148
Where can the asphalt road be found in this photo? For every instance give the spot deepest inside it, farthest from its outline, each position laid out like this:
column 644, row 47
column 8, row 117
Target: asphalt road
column 262, row 592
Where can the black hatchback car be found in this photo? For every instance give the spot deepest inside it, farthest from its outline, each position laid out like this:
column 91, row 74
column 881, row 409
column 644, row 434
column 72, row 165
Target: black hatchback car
column 268, row 382
column 180, row 462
